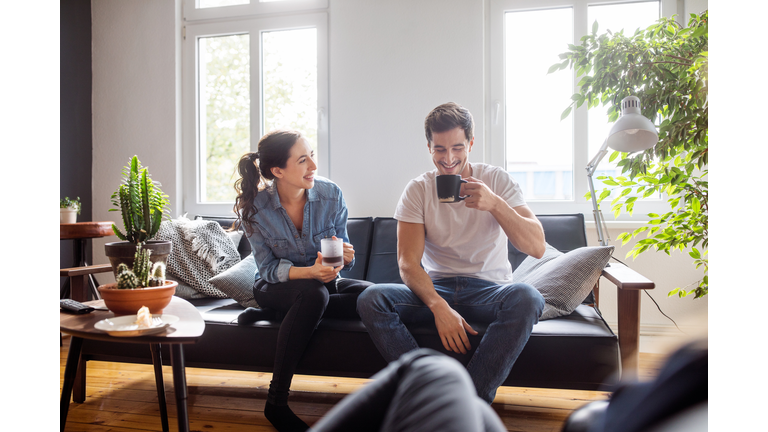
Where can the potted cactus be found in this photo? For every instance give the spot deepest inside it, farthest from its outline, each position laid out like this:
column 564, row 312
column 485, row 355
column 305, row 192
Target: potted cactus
column 143, row 284
column 143, row 206
column 69, row 209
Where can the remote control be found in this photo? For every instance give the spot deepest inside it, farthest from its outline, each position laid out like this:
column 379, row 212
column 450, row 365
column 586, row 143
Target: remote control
column 75, row 307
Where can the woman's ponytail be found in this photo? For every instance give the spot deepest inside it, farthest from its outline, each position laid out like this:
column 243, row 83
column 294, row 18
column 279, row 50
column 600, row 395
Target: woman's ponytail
column 247, row 186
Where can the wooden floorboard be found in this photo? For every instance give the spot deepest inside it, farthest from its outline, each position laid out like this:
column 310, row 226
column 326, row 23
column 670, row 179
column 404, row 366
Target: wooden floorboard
column 121, row 397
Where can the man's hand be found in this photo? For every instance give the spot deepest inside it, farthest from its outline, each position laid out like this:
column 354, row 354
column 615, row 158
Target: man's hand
column 452, row 329
column 481, row 197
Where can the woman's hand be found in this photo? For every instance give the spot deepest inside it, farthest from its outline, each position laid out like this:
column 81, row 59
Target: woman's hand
column 349, row 252
column 323, row 273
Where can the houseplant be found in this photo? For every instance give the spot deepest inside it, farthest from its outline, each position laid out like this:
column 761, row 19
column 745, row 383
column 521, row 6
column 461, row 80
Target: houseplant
column 666, row 66
column 142, row 285
column 142, row 205
column 69, row 209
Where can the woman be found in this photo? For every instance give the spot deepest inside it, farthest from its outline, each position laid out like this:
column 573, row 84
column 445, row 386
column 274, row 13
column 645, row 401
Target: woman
column 284, row 220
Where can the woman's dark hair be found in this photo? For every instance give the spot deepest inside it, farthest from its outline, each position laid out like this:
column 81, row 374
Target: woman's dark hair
column 273, row 152
column 449, row 116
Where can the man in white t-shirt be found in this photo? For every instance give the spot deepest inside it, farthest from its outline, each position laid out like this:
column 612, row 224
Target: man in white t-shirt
column 453, row 260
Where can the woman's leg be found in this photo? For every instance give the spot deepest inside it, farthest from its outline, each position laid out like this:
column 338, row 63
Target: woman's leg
column 343, row 301
column 303, row 303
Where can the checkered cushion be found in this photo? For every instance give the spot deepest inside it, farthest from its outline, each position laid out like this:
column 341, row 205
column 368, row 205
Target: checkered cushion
column 564, row 280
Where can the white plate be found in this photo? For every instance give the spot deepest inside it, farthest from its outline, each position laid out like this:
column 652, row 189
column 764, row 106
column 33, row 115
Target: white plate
column 125, row 326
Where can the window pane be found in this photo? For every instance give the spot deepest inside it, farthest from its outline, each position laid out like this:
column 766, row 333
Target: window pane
column 202, row 4
column 224, row 113
column 537, row 141
column 614, row 17
column 290, row 82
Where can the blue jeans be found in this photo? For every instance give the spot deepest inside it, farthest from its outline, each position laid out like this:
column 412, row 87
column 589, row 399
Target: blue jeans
column 511, row 311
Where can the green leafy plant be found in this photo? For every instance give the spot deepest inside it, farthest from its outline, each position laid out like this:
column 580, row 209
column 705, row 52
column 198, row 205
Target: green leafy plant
column 142, row 203
column 73, row 204
column 666, row 66
column 144, row 273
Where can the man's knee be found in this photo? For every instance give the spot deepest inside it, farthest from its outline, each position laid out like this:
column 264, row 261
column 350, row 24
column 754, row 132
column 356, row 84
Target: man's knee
column 525, row 297
column 374, row 298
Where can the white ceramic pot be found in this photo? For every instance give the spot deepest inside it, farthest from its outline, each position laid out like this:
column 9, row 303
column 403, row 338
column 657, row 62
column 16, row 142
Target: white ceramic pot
column 68, row 216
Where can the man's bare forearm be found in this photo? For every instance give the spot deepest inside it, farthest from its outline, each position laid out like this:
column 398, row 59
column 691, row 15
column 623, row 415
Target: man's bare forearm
column 522, row 228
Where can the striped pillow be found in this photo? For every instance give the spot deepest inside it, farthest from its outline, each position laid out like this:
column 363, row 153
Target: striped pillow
column 564, row 280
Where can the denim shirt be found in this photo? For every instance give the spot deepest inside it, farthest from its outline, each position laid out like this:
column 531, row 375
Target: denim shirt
column 276, row 243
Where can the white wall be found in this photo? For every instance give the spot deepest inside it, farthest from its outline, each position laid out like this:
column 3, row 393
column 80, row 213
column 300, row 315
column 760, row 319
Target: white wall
column 390, row 64
column 135, row 100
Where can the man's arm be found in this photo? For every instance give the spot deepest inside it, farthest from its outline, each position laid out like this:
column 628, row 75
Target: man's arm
column 451, row 327
column 519, row 223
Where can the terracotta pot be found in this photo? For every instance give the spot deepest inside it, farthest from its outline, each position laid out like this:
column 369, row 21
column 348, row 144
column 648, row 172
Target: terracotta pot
column 124, row 252
column 129, row 301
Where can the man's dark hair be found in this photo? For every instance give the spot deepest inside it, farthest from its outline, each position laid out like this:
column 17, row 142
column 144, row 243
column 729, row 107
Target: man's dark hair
column 449, row 116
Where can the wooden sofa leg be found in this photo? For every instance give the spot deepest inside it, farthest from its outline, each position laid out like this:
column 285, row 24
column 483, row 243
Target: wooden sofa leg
column 629, row 331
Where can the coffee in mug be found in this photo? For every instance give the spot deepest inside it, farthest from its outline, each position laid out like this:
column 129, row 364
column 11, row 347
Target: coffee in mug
column 333, row 252
column 449, row 187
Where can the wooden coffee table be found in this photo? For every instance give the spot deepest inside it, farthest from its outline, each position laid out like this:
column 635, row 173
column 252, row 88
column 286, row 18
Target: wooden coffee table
column 187, row 330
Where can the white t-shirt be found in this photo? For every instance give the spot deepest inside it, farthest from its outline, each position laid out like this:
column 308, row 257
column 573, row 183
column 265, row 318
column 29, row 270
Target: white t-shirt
column 461, row 241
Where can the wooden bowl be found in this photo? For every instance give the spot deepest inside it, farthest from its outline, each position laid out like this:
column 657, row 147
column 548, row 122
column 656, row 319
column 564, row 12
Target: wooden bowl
column 129, row 301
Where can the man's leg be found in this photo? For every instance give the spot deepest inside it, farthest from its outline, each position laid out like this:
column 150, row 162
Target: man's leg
column 383, row 309
column 513, row 309
column 422, row 391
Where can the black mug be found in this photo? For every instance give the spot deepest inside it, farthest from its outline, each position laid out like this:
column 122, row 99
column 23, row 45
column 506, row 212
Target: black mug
column 449, row 187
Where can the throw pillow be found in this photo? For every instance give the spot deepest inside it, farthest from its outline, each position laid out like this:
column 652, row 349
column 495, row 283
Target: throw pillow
column 201, row 250
column 185, row 291
column 531, row 264
column 237, row 282
column 235, row 236
column 565, row 280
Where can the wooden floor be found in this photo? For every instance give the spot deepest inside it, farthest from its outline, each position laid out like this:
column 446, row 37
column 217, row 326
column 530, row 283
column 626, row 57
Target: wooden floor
column 121, row 397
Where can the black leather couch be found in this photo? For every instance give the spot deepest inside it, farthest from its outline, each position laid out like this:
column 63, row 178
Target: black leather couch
column 578, row 351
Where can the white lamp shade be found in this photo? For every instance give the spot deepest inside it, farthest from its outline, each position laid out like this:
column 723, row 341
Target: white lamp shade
column 632, row 132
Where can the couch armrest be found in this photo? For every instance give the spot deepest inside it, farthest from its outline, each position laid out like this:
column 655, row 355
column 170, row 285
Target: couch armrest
column 629, row 283
column 78, row 279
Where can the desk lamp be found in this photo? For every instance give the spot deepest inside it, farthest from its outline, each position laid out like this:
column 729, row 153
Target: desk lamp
column 632, row 132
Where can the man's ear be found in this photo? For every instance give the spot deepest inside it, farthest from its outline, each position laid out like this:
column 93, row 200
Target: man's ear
column 277, row 172
column 429, row 147
column 472, row 141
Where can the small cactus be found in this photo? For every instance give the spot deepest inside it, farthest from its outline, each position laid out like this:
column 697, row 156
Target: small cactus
column 140, row 277
column 127, row 280
column 141, row 265
column 122, row 268
column 158, row 274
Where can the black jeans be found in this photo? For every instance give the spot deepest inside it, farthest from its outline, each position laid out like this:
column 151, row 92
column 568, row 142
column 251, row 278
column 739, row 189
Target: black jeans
column 302, row 303
column 421, row 391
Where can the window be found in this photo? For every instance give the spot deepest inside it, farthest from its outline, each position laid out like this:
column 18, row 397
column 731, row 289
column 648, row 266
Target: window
column 546, row 155
column 244, row 76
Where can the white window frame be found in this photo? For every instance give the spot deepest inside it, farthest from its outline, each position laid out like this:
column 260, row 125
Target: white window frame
column 581, row 157
column 255, row 26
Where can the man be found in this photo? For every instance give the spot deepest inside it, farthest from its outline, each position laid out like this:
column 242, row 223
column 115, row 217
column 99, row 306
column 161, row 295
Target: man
column 463, row 249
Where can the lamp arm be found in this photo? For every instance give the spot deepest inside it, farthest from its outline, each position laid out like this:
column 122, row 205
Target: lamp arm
column 591, row 167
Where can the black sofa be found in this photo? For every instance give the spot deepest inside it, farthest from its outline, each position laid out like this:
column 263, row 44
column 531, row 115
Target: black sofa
column 578, row 351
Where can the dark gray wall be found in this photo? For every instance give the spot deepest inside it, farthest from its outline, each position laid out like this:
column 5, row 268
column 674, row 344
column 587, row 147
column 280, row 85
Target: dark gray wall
column 76, row 132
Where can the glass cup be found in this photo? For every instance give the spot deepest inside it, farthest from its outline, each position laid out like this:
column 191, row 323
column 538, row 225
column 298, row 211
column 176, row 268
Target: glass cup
column 333, row 252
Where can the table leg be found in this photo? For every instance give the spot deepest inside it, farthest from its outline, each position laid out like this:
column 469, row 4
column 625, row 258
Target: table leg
column 157, row 362
column 180, row 386
column 73, row 358
column 629, row 332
